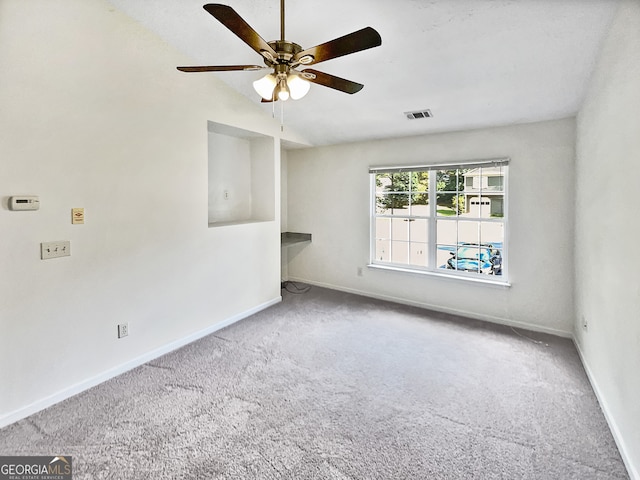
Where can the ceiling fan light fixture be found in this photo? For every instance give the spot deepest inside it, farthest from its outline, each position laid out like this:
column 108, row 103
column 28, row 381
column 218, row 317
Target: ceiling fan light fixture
column 283, row 56
column 265, row 86
column 297, row 86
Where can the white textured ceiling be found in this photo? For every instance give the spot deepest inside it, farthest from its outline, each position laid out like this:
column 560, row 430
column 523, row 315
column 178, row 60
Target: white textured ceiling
column 474, row 63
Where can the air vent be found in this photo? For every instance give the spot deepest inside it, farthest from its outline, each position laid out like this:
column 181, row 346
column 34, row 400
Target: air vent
column 419, row 114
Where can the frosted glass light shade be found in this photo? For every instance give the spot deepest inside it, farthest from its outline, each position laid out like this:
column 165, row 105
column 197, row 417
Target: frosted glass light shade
column 298, row 86
column 265, row 86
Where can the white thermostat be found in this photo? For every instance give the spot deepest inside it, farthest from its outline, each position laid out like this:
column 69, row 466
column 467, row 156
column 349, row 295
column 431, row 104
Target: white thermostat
column 24, row 202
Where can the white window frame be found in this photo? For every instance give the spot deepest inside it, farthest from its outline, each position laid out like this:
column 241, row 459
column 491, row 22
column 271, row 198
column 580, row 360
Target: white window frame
column 432, row 219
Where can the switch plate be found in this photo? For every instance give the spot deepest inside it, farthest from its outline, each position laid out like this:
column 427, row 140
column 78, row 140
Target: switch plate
column 55, row 249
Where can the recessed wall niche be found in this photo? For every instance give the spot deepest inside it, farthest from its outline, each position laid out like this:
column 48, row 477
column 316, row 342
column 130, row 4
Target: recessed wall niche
column 241, row 176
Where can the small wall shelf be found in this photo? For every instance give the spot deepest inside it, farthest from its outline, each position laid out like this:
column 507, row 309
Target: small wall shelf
column 241, row 176
column 292, row 238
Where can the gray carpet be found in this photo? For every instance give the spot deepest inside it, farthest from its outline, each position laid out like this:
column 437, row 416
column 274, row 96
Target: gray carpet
column 328, row 385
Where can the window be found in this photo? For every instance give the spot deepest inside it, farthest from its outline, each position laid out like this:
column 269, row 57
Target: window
column 495, row 182
column 449, row 219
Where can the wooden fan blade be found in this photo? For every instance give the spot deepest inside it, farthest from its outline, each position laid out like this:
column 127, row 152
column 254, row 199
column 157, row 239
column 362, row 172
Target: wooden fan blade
column 234, row 22
column 220, row 68
column 354, row 42
column 332, row 81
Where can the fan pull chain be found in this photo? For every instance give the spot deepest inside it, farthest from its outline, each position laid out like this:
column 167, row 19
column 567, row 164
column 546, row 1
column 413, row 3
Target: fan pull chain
column 282, row 116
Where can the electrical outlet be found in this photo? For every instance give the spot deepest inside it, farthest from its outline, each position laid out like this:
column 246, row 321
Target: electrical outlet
column 359, row 271
column 123, row 330
column 585, row 324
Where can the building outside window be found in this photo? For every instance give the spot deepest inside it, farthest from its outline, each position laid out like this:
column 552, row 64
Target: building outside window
column 447, row 219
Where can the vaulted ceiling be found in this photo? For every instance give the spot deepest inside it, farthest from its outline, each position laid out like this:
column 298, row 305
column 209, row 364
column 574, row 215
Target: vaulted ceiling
column 473, row 63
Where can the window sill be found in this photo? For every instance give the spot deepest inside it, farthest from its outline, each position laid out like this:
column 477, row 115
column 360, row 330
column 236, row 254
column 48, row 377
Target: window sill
column 448, row 276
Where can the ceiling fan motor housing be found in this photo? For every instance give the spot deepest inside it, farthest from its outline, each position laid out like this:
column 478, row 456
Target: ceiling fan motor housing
column 285, row 50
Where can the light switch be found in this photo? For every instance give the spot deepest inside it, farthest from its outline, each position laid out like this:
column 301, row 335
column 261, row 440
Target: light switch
column 55, row 249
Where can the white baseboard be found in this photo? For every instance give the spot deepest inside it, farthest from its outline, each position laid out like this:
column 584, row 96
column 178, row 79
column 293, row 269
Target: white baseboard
column 613, row 426
column 68, row 392
column 439, row 308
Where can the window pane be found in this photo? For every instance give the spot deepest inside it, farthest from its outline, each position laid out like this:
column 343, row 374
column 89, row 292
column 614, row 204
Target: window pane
column 473, row 180
column 477, row 259
column 418, row 230
column 400, row 252
column 449, row 185
column 492, row 233
column 443, row 255
column 486, row 206
column 446, row 204
column 383, row 250
column 449, row 181
column 495, row 179
column 475, row 206
column 496, row 206
column 400, row 182
column 392, row 204
column 496, row 260
column 383, row 228
column 420, row 182
column 400, row 229
column 383, row 180
column 470, row 258
column 420, row 205
column 418, row 254
column 447, row 232
column 469, row 232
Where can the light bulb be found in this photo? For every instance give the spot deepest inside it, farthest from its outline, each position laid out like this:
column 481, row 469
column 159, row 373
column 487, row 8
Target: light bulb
column 298, row 86
column 283, row 90
column 265, row 86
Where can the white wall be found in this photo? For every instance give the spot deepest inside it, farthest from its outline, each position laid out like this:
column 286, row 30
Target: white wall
column 263, row 179
column 94, row 114
column 328, row 196
column 230, row 174
column 608, row 229
column 284, row 257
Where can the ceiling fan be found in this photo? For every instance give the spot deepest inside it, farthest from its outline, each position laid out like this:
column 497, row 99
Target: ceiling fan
column 284, row 58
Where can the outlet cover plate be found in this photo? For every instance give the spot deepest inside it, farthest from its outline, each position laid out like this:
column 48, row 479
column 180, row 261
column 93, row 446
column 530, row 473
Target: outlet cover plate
column 123, row 330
